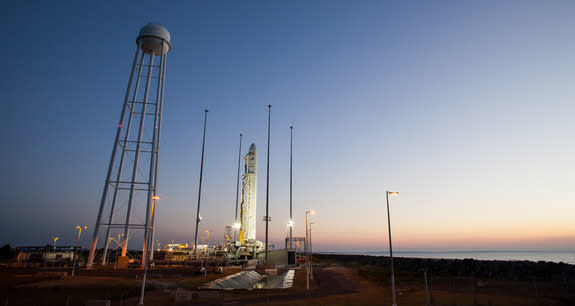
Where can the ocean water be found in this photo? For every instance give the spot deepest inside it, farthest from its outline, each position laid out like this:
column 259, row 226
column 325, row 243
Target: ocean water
column 553, row 256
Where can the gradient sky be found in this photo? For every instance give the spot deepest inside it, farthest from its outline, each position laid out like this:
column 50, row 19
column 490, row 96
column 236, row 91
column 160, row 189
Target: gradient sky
column 464, row 107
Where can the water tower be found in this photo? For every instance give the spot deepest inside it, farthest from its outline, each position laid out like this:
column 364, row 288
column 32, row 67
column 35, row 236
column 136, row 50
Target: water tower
column 129, row 194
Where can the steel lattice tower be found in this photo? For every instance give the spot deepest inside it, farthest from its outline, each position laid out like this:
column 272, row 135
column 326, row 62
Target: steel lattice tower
column 132, row 176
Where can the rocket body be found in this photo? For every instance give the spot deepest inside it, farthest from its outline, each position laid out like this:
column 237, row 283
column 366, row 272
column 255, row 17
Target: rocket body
column 249, row 192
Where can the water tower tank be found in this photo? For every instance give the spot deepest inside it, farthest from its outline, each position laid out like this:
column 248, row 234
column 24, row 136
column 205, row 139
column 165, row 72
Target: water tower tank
column 132, row 173
column 152, row 36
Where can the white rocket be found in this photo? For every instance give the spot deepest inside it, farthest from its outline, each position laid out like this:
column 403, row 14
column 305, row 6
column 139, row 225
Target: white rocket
column 248, row 200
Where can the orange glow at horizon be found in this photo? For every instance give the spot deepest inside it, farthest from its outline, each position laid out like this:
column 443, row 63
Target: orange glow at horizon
column 535, row 236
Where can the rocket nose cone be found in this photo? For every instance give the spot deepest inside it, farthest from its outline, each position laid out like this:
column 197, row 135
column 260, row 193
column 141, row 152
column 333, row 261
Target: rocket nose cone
column 253, row 147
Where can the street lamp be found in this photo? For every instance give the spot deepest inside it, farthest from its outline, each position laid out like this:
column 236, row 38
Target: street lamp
column 310, row 251
column 307, row 266
column 387, row 194
column 152, row 229
column 145, row 253
column 80, row 228
column 119, row 243
column 54, row 239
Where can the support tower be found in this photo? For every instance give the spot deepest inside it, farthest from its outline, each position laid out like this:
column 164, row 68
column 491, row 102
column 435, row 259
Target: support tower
column 130, row 187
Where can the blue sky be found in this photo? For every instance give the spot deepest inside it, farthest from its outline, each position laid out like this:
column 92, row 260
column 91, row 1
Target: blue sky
column 464, row 107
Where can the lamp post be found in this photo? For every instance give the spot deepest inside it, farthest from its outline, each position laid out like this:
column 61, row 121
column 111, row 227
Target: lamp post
column 150, row 243
column 307, row 246
column 54, row 239
column 119, row 242
column 77, row 246
column 110, row 239
column 153, row 228
column 145, row 253
column 310, row 252
column 387, row 194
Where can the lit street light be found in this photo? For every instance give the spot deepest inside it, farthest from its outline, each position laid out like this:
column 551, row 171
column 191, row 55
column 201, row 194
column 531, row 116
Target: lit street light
column 307, row 246
column 387, row 194
column 150, row 258
column 77, row 246
column 119, row 242
column 145, row 260
column 310, row 252
column 153, row 228
column 54, row 239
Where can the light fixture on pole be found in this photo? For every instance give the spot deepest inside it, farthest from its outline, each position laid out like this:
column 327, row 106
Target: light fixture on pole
column 145, row 259
column 310, row 252
column 77, row 246
column 54, row 239
column 307, row 266
column 198, row 218
column 150, row 243
column 387, row 194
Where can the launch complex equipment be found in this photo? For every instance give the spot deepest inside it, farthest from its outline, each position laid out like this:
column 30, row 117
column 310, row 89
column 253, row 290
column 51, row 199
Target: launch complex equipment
column 247, row 247
column 132, row 177
column 248, row 199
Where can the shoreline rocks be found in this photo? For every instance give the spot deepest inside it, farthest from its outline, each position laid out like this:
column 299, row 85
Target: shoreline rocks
column 495, row 269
